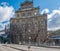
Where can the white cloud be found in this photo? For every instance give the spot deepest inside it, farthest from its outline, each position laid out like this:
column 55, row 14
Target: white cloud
column 59, row 7
column 45, row 11
column 54, row 29
column 1, row 26
column 6, row 12
column 54, row 20
column 53, row 13
column 4, row 4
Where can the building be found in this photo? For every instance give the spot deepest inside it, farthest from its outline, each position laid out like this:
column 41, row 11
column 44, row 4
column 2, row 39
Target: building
column 55, row 36
column 28, row 25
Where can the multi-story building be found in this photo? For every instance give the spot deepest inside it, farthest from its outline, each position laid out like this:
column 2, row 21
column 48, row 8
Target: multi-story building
column 28, row 24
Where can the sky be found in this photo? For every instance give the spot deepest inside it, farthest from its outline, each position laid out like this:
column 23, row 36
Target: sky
column 50, row 7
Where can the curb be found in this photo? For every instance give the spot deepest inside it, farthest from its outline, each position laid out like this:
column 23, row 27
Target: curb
column 26, row 50
column 50, row 47
column 14, row 48
column 18, row 49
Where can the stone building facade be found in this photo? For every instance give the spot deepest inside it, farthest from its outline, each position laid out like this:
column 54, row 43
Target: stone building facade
column 28, row 24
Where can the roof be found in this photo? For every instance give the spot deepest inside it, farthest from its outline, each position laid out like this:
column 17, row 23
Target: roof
column 27, row 2
column 54, row 37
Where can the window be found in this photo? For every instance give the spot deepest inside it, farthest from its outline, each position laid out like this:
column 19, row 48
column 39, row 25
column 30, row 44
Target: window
column 23, row 14
column 18, row 21
column 17, row 15
column 15, row 21
column 29, row 13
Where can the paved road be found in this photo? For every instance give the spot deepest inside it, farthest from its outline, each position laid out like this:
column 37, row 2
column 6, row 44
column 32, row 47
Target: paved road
column 23, row 47
column 3, row 48
column 33, row 48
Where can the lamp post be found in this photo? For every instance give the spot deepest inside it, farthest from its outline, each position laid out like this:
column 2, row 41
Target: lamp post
column 23, row 39
column 29, row 44
column 29, row 39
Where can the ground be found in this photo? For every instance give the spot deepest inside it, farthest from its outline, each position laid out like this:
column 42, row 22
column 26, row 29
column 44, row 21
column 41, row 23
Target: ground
column 14, row 47
column 3, row 48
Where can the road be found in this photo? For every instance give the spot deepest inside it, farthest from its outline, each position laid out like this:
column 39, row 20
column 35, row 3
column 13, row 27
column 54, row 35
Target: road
column 3, row 48
column 23, row 47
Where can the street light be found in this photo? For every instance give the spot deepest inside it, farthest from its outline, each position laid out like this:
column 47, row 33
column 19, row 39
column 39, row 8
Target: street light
column 24, row 39
column 29, row 40
column 29, row 44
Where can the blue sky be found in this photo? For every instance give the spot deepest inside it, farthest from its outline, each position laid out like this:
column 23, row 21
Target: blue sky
column 50, row 7
column 51, row 4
